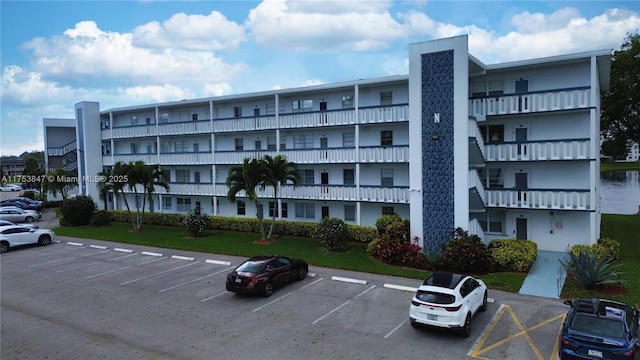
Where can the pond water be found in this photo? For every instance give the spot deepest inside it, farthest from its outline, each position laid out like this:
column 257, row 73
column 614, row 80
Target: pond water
column 620, row 192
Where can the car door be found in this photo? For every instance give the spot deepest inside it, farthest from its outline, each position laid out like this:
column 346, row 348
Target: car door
column 280, row 271
column 22, row 236
column 470, row 292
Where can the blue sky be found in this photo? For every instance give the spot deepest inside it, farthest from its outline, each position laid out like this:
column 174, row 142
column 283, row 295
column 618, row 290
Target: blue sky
column 119, row 53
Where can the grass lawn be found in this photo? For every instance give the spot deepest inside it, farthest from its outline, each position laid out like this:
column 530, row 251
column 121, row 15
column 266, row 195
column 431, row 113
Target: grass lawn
column 609, row 166
column 624, row 228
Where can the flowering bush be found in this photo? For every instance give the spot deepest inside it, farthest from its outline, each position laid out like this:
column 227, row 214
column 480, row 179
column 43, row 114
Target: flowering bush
column 196, row 223
column 466, row 253
column 333, row 234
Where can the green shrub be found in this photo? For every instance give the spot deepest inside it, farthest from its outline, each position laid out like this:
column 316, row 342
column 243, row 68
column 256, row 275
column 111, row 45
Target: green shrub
column 592, row 269
column 362, row 234
column 393, row 227
column 513, row 254
column 605, row 247
column 196, row 222
column 333, row 234
column 100, row 218
column 466, row 253
column 78, row 211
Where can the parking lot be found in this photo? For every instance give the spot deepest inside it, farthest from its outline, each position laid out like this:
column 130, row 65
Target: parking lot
column 93, row 299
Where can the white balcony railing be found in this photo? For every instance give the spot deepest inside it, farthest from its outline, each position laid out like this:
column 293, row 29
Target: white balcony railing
column 182, row 128
column 321, row 156
column 319, row 192
column 191, row 158
column 383, row 114
column 244, row 124
column 63, row 150
column 237, row 157
column 568, row 99
column 536, row 151
column 190, row 189
column 539, row 199
column 393, row 154
column 384, row 194
column 317, row 118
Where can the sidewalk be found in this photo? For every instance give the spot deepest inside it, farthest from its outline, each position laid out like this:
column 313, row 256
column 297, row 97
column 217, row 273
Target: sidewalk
column 546, row 276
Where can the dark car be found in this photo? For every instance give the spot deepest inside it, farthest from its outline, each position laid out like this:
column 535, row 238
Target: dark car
column 600, row 329
column 22, row 204
column 28, row 200
column 262, row 273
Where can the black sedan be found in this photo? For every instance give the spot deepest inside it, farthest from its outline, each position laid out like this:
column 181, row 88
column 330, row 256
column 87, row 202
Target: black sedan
column 262, row 273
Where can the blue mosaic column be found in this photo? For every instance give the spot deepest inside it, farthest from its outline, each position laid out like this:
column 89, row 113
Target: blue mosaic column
column 437, row 148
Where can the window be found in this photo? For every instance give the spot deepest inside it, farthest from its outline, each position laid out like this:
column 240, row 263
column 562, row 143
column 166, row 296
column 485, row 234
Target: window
column 183, row 204
column 491, row 87
column 166, row 175
column 183, row 176
column 134, row 148
column 194, row 117
column 386, row 138
column 348, row 177
column 496, row 87
column 478, row 89
column 273, row 209
column 196, row 147
column 257, row 144
column 494, row 220
column 166, row 205
column 386, row 177
column 350, row 213
column 241, row 207
column 237, row 111
column 496, row 178
column 387, row 210
column 148, row 120
column 347, row 101
column 307, row 176
column 164, row 118
column 271, row 142
column 104, row 124
column 386, row 97
column 493, row 133
column 166, row 146
column 303, row 141
column 285, row 210
column 283, row 142
column 181, row 146
column 305, row 210
column 348, row 139
column 196, row 176
column 149, row 148
column 302, row 105
column 239, row 144
column 134, row 120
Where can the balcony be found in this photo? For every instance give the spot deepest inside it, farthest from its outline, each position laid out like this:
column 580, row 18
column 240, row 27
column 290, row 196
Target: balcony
column 185, row 127
column 476, row 191
column 148, row 159
column 539, row 199
column 253, row 123
column 237, row 157
column 317, row 118
column 122, row 132
column 319, row 192
column 383, row 114
column 394, row 194
column 577, row 149
column 533, row 102
column 321, row 156
column 187, row 158
column 387, row 154
column 190, row 189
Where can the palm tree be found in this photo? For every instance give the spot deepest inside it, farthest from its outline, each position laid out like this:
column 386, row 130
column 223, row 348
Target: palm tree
column 103, row 186
column 60, row 181
column 142, row 180
column 279, row 171
column 247, row 177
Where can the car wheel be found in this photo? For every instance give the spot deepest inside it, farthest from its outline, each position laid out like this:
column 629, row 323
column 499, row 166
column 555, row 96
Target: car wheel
column 302, row 274
column 465, row 331
column 268, row 289
column 44, row 240
column 483, row 307
column 414, row 325
column 4, row 246
column 29, row 219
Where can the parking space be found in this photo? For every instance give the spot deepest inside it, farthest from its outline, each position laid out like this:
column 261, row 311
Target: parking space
column 159, row 303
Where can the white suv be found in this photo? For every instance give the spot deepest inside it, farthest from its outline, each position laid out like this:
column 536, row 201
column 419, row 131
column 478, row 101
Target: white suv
column 448, row 300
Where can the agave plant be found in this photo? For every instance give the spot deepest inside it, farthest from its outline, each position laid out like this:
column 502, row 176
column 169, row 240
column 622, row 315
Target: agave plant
column 593, row 269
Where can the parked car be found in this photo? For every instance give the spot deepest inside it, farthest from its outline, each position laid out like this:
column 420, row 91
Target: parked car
column 22, row 204
column 7, row 222
column 23, row 199
column 14, row 235
column 600, row 329
column 448, row 300
column 16, row 214
column 11, row 187
column 262, row 273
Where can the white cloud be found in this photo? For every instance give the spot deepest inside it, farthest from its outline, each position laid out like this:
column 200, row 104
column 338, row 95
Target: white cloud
column 316, row 26
column 86, row 52
column 191, row 32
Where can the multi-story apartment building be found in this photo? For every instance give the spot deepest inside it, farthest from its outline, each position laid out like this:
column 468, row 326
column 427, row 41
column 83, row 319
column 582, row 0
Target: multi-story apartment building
column 503, row 151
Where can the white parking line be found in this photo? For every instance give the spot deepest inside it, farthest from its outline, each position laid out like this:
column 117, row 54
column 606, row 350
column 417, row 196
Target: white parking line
column 396, row 328
column 74, row 243
column 341, row 306
column 26, row 258
column 214, row 296
column 218, row 262
column 151, row 253
column 160, row 273
column 53, row 261
column 349, row 280
column 78, row 267
column 194, row 280
column 98, row 247
column 182, row 257
column 107, row 272
column 123, row 250
column 400, row 287
column 284, row 296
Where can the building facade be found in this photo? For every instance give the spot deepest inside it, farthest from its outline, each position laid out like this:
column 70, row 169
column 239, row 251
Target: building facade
column 503, row 151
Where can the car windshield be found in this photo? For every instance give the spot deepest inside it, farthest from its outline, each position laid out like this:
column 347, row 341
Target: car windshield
column 598, row 325
column 250, row 266
column 435, row 297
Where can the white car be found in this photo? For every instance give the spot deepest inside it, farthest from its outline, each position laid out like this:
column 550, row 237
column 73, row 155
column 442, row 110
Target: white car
column 7, row 222
column 11, row 187
column 16, row 214
column 14, row 235
column 448, row 300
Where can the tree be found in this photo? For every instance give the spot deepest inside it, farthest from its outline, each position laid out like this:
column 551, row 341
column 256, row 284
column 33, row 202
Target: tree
column 620, row 119
column 33, row 172
column 142, row 180
column 247, row 177
column 103, row 186
column 60, row 181
column 279, row 171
